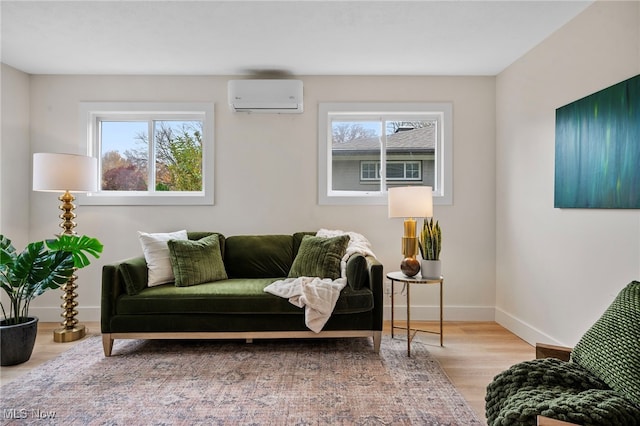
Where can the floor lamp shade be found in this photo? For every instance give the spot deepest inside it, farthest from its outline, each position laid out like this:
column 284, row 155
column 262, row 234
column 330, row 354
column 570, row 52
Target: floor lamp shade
column 64, row 172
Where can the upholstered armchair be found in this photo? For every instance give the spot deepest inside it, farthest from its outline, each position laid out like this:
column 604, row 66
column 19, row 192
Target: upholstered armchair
column 596, row 383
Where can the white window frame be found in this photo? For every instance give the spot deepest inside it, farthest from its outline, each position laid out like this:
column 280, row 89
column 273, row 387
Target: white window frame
column 443, row 190
column 93, row 112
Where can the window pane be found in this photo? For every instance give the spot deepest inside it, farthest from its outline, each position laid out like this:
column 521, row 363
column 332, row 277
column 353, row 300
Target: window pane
column 124, row 152
column 370, row 170
column 395, row 170
column 178, row 148
column 411, row 152
column 412, row 170
column 355, row 144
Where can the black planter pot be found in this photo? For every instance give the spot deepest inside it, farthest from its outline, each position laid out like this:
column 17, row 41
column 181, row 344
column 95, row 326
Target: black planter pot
column 17, row 341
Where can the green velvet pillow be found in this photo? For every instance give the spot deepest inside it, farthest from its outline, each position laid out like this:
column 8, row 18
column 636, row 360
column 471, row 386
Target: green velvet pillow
column 197, row 262
column 610, row 349
column 319, row 257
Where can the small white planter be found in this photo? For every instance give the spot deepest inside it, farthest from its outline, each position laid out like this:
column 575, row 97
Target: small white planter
column 431, row 269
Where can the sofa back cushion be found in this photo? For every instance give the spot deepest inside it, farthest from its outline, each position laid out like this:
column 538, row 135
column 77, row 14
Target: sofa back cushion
column 297, row 240
column 258, row 256
column 198, row 235
column 610, row 349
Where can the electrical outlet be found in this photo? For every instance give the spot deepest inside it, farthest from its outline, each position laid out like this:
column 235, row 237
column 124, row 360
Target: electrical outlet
column 387, row 287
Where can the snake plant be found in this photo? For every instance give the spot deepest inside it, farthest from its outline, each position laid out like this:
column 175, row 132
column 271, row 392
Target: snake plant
column 430, row 240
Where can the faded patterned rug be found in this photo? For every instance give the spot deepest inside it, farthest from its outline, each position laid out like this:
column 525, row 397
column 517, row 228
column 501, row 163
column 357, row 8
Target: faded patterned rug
column 267, row 382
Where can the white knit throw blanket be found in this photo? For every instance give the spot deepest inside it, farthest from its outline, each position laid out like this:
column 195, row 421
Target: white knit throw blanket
column 318, row 296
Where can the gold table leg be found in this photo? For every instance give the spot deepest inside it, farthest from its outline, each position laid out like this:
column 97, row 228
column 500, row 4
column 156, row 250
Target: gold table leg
column 408, row 320
column 441, row 290
column 392, row 302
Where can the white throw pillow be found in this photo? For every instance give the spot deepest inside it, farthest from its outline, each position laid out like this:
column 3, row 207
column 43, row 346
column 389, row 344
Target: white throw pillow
column 156, row 253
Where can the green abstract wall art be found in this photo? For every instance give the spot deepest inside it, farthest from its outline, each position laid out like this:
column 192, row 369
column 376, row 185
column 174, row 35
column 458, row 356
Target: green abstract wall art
column 598, row 149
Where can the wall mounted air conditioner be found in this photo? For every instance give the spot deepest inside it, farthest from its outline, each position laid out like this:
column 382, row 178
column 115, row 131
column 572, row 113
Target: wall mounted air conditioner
column 266, row 96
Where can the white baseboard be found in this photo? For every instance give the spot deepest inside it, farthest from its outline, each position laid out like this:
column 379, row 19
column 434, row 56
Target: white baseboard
column 450, row 313
column 523, row 330
column 52, row 314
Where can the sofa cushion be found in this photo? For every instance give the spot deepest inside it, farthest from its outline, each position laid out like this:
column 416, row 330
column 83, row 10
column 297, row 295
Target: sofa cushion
column 258, row 256
column 196, row 262
column 198, row 235
column 156, row 253
column 297, row 240
column 319, row 257
column 233, row 296
column 610, row 349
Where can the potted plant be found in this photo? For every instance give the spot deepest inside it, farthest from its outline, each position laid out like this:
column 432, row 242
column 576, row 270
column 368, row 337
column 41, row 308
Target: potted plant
column 41, row 266
column 430, row 245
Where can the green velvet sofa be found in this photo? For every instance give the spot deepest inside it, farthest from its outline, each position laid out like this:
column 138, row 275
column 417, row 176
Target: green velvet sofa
column 236, row 307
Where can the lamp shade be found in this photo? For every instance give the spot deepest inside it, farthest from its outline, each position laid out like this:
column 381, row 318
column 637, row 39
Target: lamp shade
column 411, row 201
column 64, row 172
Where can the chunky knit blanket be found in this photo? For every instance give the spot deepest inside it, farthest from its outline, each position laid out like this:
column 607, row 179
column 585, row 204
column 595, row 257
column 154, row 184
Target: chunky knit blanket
column 599, row 386
column 556, row 389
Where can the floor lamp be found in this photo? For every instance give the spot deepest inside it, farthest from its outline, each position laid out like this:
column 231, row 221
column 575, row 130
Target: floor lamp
column 410, row 202
column 65, row 173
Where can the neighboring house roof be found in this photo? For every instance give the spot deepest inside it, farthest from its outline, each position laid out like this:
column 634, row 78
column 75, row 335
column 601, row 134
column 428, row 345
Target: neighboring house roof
column 416, row 140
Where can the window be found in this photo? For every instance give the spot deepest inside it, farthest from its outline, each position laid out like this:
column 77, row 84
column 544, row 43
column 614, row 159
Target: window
column 412, row 140
column 150, row 154
column 370, row 170
column 396, row 170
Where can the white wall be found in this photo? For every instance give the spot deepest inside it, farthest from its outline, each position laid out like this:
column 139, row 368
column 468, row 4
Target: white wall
column 265, row 178
column 15, row 178
column 558, row 269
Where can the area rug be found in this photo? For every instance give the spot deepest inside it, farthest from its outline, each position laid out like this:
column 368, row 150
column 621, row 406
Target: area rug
column 267, row 382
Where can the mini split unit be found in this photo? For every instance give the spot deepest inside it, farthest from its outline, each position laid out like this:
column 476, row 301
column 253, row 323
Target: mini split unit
column 266, row 96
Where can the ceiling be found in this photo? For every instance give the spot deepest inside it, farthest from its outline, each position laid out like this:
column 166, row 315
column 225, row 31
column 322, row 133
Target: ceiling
column 292, row 37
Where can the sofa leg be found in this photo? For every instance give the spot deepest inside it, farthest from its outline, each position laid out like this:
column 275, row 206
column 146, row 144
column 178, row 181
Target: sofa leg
column 377, row 339
column 107, row 344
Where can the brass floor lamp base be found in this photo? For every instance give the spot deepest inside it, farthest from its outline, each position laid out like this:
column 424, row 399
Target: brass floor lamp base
column 63, row 335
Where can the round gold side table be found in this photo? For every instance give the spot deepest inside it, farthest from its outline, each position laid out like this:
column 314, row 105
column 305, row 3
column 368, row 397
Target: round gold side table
column 402, row 278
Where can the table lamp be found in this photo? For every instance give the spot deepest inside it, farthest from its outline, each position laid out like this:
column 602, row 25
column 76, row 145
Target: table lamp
column 410, row 202
column 64, row 173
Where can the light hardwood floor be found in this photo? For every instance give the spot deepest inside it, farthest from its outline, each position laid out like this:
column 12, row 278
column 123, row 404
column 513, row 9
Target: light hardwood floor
column 473, row 353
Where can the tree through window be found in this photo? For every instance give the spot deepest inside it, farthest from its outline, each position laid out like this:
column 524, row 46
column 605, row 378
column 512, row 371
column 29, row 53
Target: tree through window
column 156, row 155
column 176, row 154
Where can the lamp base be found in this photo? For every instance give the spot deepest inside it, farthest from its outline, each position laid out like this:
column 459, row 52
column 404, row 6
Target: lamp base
column 63, row 335
column 410, row 266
